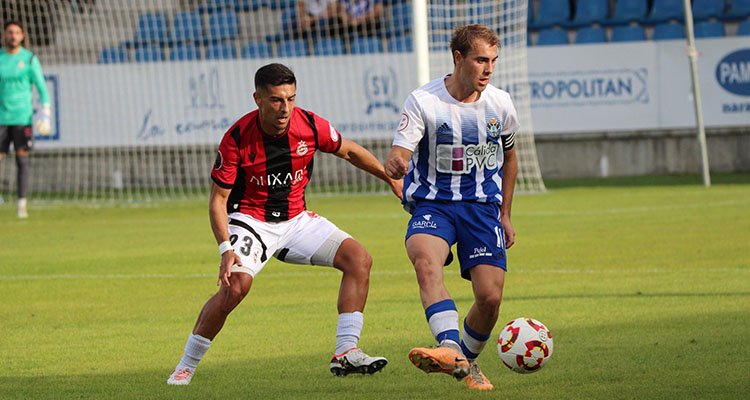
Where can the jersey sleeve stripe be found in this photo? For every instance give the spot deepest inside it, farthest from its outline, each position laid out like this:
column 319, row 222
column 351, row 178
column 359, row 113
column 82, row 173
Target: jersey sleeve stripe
column 338, row 144
column 509, row 141
column 221, row 184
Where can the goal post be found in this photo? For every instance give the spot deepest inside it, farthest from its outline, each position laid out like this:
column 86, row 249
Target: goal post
column 509, row 19
column 143, row 90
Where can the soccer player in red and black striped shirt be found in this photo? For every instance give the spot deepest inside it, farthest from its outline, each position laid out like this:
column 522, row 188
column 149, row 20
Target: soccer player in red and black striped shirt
column 257, row 210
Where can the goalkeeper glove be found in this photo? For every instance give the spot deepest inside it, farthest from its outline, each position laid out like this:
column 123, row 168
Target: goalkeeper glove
column 43, row 124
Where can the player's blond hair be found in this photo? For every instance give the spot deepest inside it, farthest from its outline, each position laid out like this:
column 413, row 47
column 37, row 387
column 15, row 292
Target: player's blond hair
column 464, row 37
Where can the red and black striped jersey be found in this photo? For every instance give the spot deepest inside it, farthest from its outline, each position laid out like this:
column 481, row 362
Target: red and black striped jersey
column 268, row 175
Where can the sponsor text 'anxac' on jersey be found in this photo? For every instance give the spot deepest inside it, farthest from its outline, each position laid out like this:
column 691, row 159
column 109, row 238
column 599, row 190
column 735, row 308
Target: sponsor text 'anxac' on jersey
column 268, row 175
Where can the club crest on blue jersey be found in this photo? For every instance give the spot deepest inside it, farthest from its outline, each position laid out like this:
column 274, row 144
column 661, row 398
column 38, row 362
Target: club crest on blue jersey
column 494, row 126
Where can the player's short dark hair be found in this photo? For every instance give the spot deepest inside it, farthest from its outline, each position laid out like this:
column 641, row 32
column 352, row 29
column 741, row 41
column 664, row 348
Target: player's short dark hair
column 274, row 75
column 464, row 37
column 13, row 22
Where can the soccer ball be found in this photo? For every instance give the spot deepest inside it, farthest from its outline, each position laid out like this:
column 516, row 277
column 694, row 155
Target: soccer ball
column 525, row 345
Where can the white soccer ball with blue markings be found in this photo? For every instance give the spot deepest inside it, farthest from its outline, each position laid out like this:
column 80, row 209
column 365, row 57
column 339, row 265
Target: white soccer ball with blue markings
column 525, row 345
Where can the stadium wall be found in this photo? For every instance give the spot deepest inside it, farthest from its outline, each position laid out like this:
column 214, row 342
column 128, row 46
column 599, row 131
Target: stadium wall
column 594, row 154
column 627, row 109
column 643, row 129
column 648, row 152
column 597, row 110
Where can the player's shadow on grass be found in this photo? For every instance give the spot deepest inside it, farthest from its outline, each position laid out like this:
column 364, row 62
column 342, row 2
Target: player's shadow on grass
column 306, row 377
column 631, row 295
column 587, row 296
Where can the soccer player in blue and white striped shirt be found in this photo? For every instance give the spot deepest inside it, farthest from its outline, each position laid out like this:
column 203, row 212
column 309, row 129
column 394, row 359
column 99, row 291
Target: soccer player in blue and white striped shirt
column 455, row 150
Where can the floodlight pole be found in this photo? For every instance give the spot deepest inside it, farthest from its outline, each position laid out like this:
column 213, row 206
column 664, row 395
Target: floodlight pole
column 693, row 55
column 421, row 49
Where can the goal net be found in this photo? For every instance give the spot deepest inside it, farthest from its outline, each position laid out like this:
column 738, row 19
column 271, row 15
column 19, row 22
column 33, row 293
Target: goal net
column 509, row 19
column 143, row 90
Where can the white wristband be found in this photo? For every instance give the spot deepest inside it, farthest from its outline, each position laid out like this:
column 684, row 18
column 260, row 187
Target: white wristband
column 224, row 247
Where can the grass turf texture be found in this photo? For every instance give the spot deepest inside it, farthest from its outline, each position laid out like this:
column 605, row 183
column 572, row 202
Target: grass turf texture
column 646, row 289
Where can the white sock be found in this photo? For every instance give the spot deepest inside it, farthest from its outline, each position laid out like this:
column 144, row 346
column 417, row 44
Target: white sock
column 195, row 348
column 443, row 320
column 348, row 330
column 444, row 327
column 22, row 202
column 473, row 342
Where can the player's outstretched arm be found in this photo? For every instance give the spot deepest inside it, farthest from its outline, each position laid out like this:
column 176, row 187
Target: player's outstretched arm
column 510, row 172
column 397, row 162
column 366, row 161
column 44, row 115
column 217, row 212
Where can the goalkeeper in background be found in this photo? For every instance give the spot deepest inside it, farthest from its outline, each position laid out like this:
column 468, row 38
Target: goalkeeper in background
column 19, row 69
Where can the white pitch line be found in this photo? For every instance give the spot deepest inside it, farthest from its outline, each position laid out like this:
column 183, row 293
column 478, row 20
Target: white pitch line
column 328, row 272
column 404, row 216
column 624, row 210
column 605, row 211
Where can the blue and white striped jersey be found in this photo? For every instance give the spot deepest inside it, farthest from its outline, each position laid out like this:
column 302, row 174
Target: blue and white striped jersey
column 458, row 147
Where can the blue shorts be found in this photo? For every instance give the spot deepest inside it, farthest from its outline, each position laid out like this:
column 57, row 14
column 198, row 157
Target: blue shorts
column 475, row 227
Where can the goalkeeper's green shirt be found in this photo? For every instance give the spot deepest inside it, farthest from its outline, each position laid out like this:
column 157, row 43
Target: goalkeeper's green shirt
column 17, row 73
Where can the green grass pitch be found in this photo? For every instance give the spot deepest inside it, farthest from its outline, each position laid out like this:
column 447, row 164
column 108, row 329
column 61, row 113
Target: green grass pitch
column 646, row 289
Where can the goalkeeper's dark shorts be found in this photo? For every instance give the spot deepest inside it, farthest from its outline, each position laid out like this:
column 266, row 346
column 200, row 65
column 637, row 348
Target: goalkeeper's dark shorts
column 22, row 137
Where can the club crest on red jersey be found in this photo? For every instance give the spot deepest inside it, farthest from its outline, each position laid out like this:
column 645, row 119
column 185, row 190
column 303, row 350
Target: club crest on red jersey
column 301, row 148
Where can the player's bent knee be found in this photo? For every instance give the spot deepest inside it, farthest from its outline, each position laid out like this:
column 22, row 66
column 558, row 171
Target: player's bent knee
column 366, row 260
column 427, row 275
column 361, row 265
column 423, row 267
column 489, row 301
column 353, row 257
column 233, row 296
